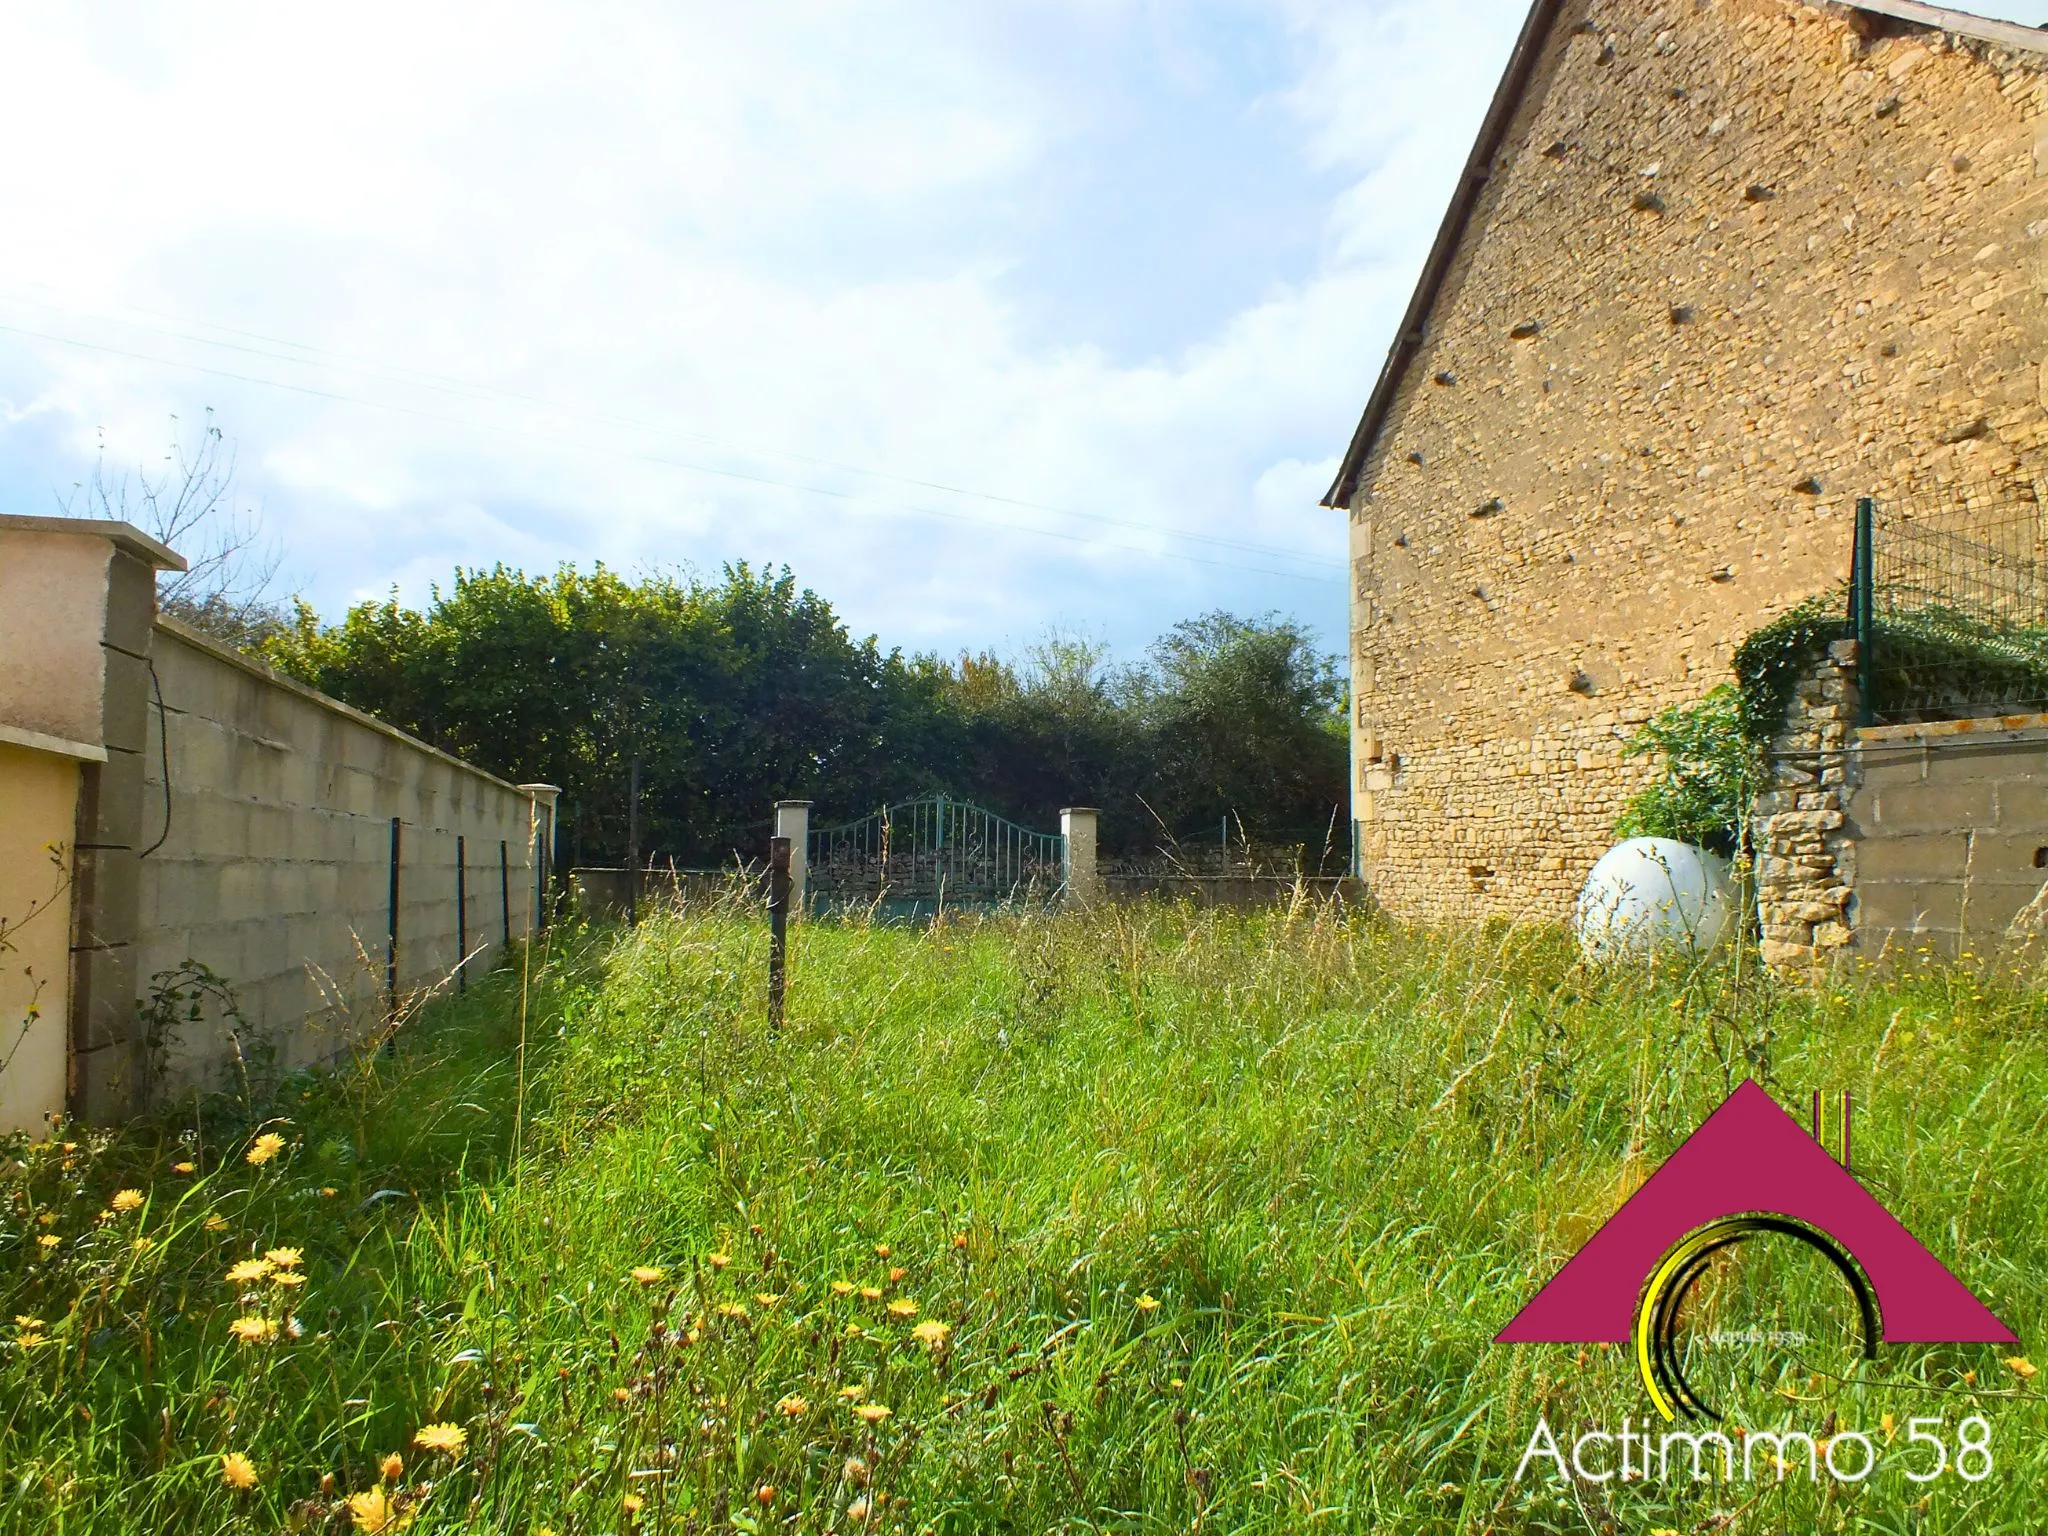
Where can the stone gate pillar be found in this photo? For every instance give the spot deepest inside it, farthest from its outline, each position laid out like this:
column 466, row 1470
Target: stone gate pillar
column 1077, row 826
column 793, row 821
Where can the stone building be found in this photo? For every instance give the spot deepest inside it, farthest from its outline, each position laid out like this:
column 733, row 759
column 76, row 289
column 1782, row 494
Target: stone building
column 1714, row 269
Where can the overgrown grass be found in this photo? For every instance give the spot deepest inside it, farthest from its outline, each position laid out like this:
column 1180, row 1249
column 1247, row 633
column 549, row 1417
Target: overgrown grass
column 1216, row 1216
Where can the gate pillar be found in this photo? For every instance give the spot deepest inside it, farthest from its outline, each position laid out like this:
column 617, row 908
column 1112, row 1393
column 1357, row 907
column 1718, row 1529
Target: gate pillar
column 1077, row 828
column 793, row 821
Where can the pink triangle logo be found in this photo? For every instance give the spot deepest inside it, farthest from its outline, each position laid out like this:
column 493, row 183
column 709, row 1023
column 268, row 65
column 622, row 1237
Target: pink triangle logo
column 1751, row 1166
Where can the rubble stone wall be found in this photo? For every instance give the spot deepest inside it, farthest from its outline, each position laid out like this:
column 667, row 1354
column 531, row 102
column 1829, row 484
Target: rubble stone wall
column 1737, row 263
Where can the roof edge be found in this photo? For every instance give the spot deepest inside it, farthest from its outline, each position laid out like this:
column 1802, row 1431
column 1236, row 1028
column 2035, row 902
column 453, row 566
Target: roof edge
column 1507, row 100
column 1986, row 29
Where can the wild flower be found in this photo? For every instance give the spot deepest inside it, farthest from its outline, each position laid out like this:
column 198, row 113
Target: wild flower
column 48, row 1243
column 254, row 1330
column 793, row 1406
column 264, row 1148
column 249, row 1271
column 648, row 1274
column 1147, row 1303
column 446, row 1439
column 881, row 1250
column 855, row 1471
column 126, row 1200
column 184, row 1167
column 373, row 1511
column 392, row 1467
column 903, row 1306
column 718, row 1260
column 765, row 1495
column 287, row 1278
column 767, row 1298
column 215, row 1223
column 896, row 1273
column 632, row 1503
column 853, row 1392
column 842, row 1287
column 732, row 1309
column 871, row 1413
column 2022, row 1367
column 857, row 1512
column 285, row 1258
column 238, row 1471
column 871, row 1293
column 959, row 1239
column 931, row 1333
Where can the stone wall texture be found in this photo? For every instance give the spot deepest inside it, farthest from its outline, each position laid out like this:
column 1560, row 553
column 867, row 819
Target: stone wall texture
column 1737, row 263
column 275, row 854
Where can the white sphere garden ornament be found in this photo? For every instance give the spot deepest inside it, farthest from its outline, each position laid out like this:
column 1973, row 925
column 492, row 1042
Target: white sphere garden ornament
column 1652, row 893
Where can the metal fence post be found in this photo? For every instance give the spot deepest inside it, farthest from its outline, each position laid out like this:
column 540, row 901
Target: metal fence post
column 778, row 926
column 391, row 930
column 1862, row 595
column 461, row 913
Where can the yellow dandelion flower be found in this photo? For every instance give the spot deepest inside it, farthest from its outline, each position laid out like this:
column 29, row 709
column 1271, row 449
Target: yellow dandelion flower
column 254, row 1330
column 718, row 1260
column 632, row 1503
column 903, row 1306
column 793, row 1406
column 1890, row 1425
column 881, row 1250
column 248, row 1271
column 853, row 1393
column 447, row 1439
column 184, row 1167
column 26, row 1323
column 871, row 1293
column 48, row 1241
column 959, row 1239
column 126, row 1200
column 287, row 1278
column 328, row 1192
column 647, row 1274
column 372, row 1511
column 264, row 1148
column 767, row 1298
column 2022, row 1367
column 392, row 1467
column 1147, row 1303
column 216, row 1224
column 871, row 1413
column 855, row 1331
column 732, row 1309
column 238, row 1471
column 931, row 1333
column 285, row 1258
column 842, row 1287
column 896, row 1273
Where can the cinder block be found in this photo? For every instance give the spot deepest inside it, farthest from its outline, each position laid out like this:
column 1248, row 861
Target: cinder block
column 1935, row 806
column 1888, row 768
column 126, row 703
column 2023, row 803
column 111, row 803
column 131, row 604
column 1927, row 857
column 106, row 905
column 1911, row 906
column 105, row 989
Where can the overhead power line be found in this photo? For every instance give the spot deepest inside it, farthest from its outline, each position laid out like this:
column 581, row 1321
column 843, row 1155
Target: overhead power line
column 450, row 384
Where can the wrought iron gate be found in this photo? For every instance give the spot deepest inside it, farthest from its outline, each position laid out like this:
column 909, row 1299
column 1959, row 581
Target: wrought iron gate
column 922, row 855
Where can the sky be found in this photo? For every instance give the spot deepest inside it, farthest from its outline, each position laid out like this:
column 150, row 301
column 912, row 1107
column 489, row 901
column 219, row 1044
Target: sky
column 985, row 317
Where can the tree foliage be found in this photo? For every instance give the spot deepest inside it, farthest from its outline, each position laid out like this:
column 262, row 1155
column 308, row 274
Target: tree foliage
column 736, row 693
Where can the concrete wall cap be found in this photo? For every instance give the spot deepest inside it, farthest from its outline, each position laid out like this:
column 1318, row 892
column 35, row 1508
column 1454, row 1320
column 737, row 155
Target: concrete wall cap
column 125, row 537
column 56, row 746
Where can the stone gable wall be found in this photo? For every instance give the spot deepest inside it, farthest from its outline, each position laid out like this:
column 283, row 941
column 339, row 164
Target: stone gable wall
column 1738, row 263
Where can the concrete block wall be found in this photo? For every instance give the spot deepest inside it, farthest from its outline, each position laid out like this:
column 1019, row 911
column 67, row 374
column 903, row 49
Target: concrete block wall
column 273, row 856
column 1735, row 263
column 1950, row 826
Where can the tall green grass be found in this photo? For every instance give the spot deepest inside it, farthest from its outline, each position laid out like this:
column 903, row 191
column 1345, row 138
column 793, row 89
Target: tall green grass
column 1217, row 1215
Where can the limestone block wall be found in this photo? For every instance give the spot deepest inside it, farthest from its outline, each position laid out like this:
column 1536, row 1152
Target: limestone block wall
column 271, row 856
column 1735, row 263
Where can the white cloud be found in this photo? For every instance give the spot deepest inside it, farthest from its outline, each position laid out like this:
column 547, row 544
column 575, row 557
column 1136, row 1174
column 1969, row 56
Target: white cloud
column 869, row 235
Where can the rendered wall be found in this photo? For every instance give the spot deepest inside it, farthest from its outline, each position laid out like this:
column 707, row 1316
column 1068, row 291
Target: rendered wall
column 1739, row 262
column 274, row 869
column 39, row 791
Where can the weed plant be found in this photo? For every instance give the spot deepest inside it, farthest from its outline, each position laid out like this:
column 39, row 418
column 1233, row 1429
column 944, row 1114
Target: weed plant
column 1146, row 1219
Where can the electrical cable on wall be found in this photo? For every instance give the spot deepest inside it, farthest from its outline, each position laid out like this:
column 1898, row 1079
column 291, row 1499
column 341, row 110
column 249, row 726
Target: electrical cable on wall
column 163, row 738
